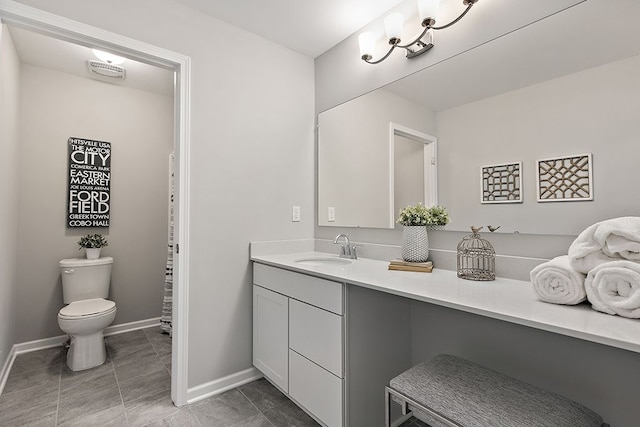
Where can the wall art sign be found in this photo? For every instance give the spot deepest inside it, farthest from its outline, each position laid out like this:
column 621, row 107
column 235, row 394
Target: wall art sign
column 501, row 183
column 564, row 179
column 89, row 190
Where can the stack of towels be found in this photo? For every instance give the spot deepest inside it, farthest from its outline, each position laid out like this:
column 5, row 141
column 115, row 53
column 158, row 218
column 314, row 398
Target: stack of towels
column 603, row 266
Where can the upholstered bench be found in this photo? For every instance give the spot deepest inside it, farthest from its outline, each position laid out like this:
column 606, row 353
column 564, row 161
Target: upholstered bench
column 452, row 392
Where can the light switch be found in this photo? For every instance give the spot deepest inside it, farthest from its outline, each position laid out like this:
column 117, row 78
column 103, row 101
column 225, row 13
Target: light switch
column 295, row 213
column 331, row 214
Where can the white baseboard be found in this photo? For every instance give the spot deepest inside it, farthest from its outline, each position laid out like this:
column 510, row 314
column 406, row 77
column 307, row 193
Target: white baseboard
column 29, row 346
column 131, row 326
column 6, row 368
column 221, row 385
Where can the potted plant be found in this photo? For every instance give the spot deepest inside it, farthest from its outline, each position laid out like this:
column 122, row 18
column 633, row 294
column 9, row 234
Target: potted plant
column 92, row 243
column 416, row 219
column 437, row 217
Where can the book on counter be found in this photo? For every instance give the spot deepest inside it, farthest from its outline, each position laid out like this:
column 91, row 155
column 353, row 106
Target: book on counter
column 401, row 265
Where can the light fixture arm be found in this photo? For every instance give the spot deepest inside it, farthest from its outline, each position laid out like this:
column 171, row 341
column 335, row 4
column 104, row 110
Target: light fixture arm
column 368, row 60
column 468, row 3
column 418, row 43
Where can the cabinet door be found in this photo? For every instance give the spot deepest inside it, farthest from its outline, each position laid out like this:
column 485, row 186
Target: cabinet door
column 317, row 389
column 271, row 335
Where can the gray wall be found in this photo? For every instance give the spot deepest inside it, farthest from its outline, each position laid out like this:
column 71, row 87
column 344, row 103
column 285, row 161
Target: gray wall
column 139, row 125
column 9, row 106
column 252, row 147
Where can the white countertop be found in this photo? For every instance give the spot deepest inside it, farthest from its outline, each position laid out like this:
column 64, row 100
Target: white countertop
column 504, row 299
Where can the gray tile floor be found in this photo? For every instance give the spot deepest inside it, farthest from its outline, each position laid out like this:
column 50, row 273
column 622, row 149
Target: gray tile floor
column 132, row 388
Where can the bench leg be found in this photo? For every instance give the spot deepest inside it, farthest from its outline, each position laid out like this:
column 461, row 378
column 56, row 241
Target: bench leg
column 387, row 408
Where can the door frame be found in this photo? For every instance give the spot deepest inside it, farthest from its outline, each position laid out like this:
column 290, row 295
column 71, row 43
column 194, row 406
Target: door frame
column 430, row 152
column 59, row 27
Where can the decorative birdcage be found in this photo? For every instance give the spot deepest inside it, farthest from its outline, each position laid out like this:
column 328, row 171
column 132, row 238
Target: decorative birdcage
column 476, row 257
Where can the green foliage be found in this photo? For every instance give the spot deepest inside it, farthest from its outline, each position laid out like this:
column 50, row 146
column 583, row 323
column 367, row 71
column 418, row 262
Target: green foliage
column 92, row 241
column 422, row 215
column 438, row 215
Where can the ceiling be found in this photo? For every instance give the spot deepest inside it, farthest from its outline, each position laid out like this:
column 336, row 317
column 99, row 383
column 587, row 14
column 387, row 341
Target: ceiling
column 48, row 52
column 310, row 27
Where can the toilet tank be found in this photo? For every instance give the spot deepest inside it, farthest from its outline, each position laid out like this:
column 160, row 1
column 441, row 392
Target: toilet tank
column 85, row 278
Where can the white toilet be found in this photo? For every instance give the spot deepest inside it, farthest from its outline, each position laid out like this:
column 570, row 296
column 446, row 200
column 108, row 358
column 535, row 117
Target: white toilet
column 85, row 287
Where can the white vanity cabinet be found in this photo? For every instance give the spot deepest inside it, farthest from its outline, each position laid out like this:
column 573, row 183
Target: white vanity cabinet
column 298, row 338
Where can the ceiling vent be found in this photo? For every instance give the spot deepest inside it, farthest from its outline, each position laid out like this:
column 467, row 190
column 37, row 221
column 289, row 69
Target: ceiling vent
column 107, row 70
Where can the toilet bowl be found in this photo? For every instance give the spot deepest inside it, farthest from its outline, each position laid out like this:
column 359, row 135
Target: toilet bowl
column 84, row 322
column 85, row 286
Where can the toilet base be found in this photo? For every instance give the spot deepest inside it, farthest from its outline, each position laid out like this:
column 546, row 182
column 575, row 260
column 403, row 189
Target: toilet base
column 86, row 351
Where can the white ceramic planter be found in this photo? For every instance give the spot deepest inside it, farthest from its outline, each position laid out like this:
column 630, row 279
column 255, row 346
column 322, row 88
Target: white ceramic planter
column 415, row 243
column 92, row 253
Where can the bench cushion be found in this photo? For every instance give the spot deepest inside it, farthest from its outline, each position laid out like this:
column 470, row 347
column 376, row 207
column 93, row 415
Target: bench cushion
column 474, row 396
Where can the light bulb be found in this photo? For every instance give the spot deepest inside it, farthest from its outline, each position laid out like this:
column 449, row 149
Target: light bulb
column 393, row 27
column 108, row 57
column 428, row 9
column 367, row 45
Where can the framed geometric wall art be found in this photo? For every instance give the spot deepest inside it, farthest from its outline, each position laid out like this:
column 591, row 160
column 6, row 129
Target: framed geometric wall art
column 565, row 179
column 501, row 183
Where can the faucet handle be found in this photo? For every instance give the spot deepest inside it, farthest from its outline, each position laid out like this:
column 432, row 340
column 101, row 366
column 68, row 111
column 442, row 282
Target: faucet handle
column 354, row 251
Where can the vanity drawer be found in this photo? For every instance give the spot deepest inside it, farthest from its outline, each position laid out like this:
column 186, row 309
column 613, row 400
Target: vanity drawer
column 319, row 292
column 317, row 335
column 317, row 389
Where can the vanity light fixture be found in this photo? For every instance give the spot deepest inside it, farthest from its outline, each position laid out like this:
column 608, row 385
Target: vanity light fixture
column 393, row 27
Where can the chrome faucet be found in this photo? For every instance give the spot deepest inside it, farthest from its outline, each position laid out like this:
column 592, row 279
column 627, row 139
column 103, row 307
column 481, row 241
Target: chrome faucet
column 346, row 249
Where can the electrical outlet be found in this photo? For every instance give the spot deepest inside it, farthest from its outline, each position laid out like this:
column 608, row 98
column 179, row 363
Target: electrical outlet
column 295, row 213
column 331, row 214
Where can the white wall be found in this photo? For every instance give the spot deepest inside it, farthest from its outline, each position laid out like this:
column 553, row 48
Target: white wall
column 9, row 106
column 139, row 126
column 252, row 159
column 593, row 111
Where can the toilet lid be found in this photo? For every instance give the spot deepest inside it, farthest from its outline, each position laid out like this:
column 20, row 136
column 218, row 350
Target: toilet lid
column 87, row 307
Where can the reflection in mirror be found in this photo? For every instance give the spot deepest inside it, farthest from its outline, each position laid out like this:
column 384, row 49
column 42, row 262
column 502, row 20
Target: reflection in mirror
column 535, row 93
column 355, row 164
column 414, row 168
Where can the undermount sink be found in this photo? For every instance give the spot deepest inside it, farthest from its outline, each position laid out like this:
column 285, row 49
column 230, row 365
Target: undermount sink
column 324, row 261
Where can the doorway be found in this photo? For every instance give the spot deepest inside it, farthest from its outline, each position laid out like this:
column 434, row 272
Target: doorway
column 412, row 164
column 18, row 15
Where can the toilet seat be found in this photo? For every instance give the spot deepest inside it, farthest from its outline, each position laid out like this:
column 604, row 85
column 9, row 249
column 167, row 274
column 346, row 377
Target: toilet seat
column 87, row 309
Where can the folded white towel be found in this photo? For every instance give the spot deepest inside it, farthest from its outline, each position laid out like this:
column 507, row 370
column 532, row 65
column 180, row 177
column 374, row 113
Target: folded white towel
column 614, row 288
column 610, row 240
column 556, row 282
